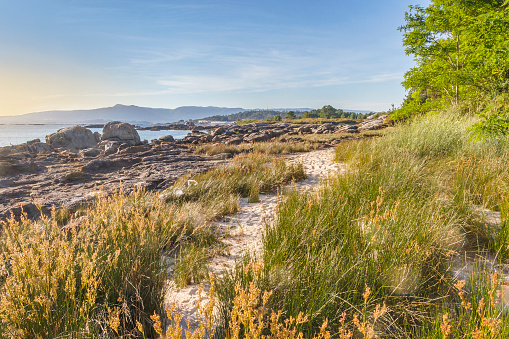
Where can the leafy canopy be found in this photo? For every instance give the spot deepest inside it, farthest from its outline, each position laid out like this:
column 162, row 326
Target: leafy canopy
column 461, row 49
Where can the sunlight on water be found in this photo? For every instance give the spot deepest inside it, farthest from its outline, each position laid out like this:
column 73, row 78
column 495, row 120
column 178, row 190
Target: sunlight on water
column 18, row 134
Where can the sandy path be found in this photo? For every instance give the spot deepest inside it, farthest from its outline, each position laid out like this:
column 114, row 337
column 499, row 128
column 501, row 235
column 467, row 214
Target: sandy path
column 243, row 230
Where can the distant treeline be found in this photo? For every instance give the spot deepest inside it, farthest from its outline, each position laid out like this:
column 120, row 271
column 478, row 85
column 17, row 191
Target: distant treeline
column 326, row 112
column 247, row 115
column 329, row 112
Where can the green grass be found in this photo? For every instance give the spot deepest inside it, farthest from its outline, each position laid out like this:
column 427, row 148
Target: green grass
column 393, row 222
column 240, row 176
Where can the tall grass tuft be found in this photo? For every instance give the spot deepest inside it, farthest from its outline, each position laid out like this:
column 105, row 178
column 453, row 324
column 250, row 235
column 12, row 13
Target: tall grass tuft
column 240, row 176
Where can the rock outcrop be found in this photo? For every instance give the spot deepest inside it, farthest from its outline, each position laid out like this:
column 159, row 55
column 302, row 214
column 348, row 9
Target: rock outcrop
column 374, row 124
column 72, row 138
column 122, row 132
column 34, row 184
column 30, row 147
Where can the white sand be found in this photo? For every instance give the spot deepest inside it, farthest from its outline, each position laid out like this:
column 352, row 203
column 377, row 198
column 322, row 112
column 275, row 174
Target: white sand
column 243, row 231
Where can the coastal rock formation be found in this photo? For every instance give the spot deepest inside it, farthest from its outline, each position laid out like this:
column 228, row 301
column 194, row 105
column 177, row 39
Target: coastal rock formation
column 121, row 131
column 72, row 138
column 325, row 129
column 109, row 147
column 167, row 138
column 38, row 183
column 31, row 147
column 374, row 124
column 90, row 152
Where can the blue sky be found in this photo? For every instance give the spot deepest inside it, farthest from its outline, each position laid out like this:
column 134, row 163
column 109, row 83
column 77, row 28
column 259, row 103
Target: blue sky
column 74, row 54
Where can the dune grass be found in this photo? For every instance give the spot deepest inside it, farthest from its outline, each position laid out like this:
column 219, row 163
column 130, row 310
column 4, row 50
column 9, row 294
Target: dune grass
column 102, row 272
column 394, row 223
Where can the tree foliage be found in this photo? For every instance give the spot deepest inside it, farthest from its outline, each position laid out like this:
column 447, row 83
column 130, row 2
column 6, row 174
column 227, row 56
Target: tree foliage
column 461, row 49
column 329, row 112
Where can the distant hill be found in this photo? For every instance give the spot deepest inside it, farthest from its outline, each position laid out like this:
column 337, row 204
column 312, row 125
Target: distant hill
column 132, row 114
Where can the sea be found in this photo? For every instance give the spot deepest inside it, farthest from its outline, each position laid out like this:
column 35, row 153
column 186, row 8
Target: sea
column 18, row 134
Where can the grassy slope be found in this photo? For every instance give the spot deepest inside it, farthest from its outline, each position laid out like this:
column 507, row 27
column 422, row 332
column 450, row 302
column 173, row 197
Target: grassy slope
column 393, row 223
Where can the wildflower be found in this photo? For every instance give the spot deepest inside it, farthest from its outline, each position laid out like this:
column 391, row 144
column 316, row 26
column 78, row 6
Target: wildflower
column 366, row 293
column 445, row 327
column 379, row 311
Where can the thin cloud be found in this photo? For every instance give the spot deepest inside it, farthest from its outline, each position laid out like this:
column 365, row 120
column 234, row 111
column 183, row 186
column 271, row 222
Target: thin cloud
column 262, row 79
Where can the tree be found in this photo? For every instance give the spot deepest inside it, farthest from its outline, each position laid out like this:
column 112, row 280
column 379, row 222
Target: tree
column 327, row 112
column 311, row 114
column 277, row 117
column 290, row 115
column 461, row 49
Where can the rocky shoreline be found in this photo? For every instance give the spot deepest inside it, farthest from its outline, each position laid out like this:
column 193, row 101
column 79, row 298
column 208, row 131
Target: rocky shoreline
column 74, row 166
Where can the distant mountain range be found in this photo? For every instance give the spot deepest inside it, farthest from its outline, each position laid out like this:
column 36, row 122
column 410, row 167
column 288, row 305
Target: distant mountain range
column 132, row 114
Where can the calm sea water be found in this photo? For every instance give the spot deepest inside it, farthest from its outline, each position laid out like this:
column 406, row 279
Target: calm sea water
column 18, row 134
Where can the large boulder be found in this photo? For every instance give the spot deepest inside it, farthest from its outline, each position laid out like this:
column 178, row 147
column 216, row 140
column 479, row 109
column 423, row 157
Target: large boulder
column 72, row 138
column 325, row 128
column 122, row 132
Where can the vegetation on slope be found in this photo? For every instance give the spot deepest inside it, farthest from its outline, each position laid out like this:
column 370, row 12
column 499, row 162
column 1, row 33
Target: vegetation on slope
column 396, row 222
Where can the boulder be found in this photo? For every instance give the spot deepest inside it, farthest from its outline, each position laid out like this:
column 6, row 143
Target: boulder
column 122, row 132
column 373, row 124
column 305, row 129
column 325, row 128
column 109, row 147
column 347, row 129
column 206, row 138
column 72, row 138
column 258, row 137
column 218, row 131
column 90, row 152
column 30, row 147
column 38, row 147
column 167, row 138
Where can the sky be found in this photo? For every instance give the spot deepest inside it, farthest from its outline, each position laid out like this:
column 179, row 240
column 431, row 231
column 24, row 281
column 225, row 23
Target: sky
column 81, row 54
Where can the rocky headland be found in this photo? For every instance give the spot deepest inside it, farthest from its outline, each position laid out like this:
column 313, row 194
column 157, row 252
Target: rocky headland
column 74, row 165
